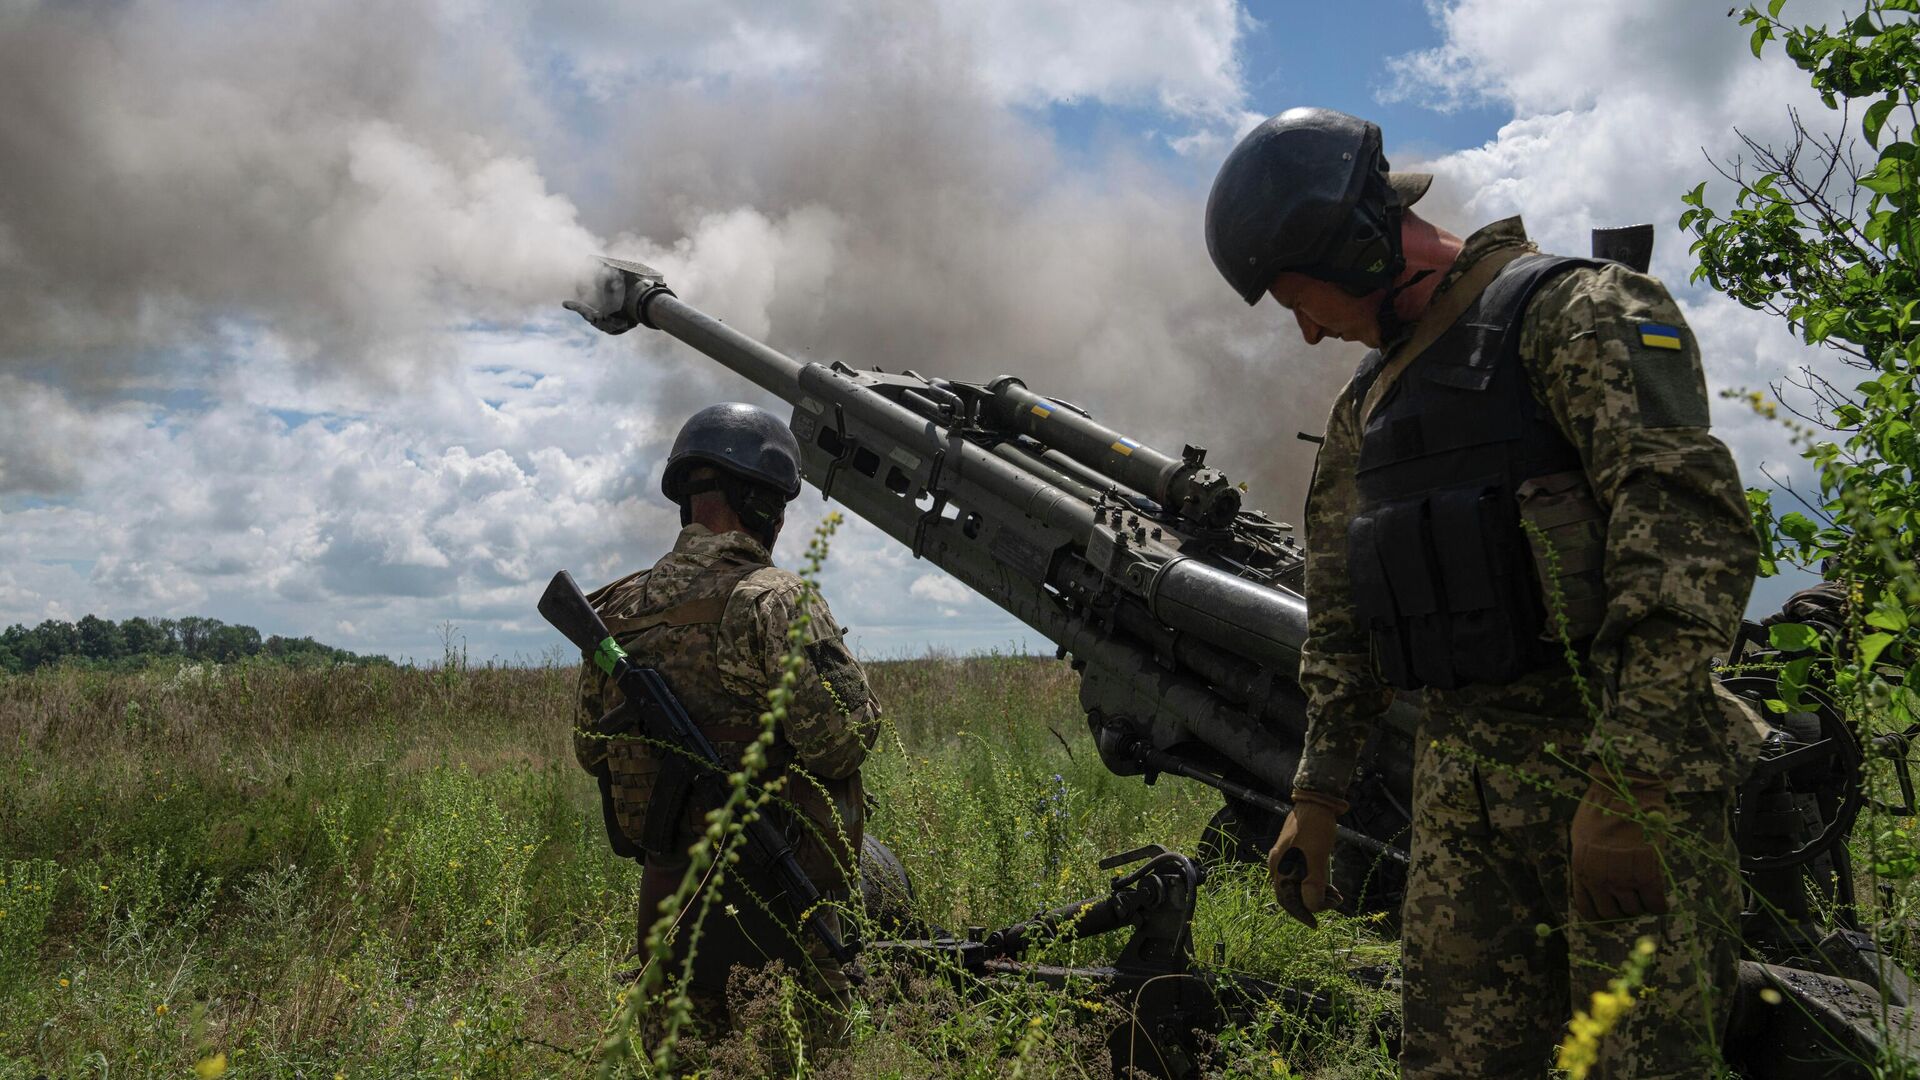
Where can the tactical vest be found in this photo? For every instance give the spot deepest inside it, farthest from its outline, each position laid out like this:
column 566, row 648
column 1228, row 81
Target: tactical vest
column 1450, row 585
column 675, row 635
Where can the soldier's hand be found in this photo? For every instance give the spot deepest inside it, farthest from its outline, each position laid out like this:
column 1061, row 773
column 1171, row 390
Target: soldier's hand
column 1302, row 857
column 1617, row 872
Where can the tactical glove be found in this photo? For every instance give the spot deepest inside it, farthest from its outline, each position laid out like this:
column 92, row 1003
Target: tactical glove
column 1617, row 873
column 1303, row 855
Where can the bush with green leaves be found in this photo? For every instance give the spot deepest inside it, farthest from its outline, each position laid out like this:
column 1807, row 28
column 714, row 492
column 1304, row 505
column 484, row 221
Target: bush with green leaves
column 1824, row 232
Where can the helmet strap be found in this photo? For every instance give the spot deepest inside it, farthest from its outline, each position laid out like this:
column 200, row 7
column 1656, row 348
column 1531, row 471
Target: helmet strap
column 1393, row 328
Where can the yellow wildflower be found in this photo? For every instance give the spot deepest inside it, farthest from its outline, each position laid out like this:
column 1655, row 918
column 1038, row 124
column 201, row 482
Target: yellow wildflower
column 65, row 983
column 160, row 1009
column 210, row 1068
column 1581, row 1050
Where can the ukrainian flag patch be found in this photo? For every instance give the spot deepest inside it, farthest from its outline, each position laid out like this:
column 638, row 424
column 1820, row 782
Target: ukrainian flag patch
column 1042, row 411
column 1125, row 446
column 1659, row 336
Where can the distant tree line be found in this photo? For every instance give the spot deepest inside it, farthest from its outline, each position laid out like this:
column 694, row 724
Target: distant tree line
column 138, row 641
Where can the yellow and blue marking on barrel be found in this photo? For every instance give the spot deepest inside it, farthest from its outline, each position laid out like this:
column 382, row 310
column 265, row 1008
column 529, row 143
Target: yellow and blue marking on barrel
column 1042, row 410
column 1659, row 336
column 1125, row 446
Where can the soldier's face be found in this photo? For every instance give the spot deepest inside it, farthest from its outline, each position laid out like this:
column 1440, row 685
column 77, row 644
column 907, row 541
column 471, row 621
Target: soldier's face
column 1325, row 310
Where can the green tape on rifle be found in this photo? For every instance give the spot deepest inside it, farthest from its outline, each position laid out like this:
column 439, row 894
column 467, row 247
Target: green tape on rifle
column 608, row 654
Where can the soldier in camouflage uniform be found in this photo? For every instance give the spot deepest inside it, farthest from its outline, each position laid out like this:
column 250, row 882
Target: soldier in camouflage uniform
column 712, row 616
column 1529, row 436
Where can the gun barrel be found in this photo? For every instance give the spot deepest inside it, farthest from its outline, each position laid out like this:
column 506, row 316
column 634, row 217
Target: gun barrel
column 1265, row 624
column 768, row 368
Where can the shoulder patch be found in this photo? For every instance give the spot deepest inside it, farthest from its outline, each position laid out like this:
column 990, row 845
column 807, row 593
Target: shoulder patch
column 1660, row 336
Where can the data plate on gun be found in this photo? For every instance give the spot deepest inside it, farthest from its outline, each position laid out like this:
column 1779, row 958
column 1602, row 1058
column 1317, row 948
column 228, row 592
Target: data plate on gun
column 804, row 425
column 1103, row 550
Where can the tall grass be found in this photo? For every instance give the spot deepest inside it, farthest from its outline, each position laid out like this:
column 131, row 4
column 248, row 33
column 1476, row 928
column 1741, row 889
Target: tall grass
column 398, row 872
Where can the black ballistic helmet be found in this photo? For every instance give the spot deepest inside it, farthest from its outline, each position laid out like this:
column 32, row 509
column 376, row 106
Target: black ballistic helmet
column 741, row 440
column 1309, row 191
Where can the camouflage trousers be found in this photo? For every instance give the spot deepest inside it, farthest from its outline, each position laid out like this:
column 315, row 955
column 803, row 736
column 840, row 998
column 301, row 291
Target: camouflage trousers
column 1495, row 960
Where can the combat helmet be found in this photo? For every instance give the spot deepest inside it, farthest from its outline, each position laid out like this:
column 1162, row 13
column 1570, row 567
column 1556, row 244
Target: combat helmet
column 1309, row 191
column 756, row 456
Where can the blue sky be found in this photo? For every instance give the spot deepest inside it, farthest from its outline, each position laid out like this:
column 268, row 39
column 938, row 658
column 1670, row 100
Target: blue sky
column 279, row 341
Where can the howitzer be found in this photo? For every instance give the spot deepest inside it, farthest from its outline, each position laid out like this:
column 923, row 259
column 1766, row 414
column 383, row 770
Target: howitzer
column 1178, row 606
column 1181, row 612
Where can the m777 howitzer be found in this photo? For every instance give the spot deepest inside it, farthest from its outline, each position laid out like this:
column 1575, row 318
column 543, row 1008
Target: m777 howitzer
column 1181, row 611
column 1178, row 606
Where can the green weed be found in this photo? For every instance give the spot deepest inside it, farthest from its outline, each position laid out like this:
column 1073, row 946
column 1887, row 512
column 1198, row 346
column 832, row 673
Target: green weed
column 276, row 849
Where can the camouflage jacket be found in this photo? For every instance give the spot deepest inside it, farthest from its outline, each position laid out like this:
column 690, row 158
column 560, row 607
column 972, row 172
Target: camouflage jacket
column 722, row 671
column 1680, row 551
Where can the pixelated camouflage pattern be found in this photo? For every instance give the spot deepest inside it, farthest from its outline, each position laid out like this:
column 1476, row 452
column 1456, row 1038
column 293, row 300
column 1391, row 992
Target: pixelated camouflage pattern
column 1344, row 697
column 1491, row 812
column 1680, row 551
column 1490, row 870
column 722, row 673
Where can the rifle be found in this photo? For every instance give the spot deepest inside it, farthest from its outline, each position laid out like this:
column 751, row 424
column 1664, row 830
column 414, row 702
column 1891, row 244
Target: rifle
column 666, row 721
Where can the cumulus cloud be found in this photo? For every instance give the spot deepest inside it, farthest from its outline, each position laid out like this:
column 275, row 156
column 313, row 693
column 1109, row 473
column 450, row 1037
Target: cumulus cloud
column 939, row 589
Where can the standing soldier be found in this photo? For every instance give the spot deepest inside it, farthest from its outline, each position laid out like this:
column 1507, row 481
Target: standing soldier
column 713, row 617
column 1528, row 435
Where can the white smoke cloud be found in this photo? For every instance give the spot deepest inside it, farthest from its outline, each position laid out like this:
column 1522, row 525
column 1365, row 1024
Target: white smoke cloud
column 347, row 172
column 277, row 335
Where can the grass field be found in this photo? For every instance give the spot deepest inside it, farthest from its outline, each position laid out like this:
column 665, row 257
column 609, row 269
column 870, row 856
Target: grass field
column 396, row 872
